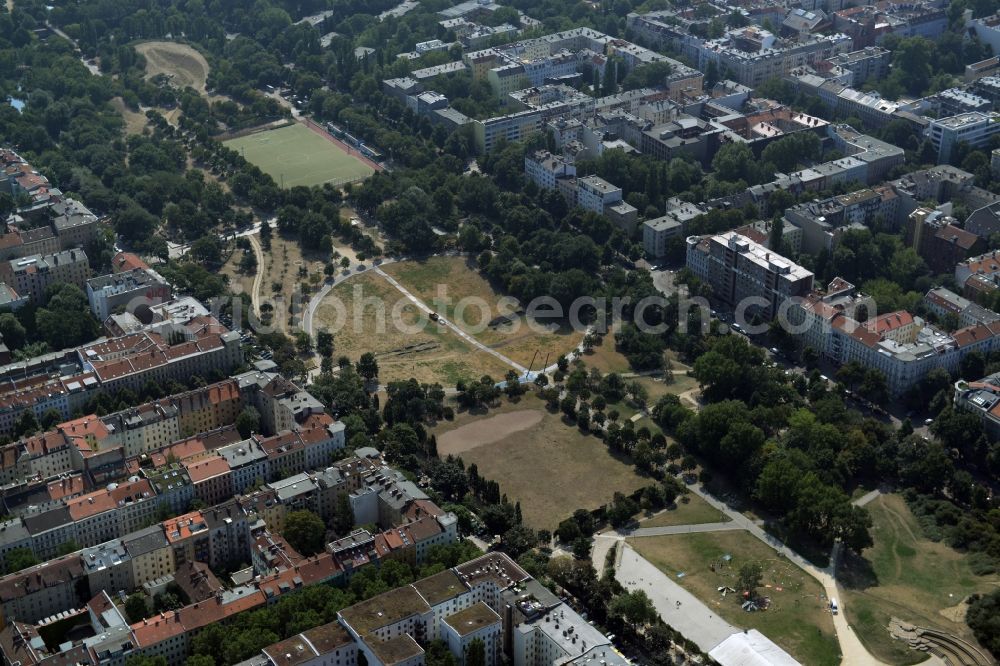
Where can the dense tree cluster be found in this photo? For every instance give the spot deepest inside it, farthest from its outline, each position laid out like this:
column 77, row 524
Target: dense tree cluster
column 984, row 619
column 796, row 461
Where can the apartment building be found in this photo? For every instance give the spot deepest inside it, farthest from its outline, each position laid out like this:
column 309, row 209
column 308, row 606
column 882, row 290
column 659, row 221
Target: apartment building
column 667, row 29
column 739, row 269
column 126, row 290
column 753, row 55
column 211, row 479
column 939, row 240
column 981, row 398
column 42, row 590
column 973, row 129
column 248, row 463
column 108, row 639
column 822, row 222
column 902, row 347
column 326, row 645
column 51, row 222
column 150, row 555
column 978, row 276
column 589, row 192
column 198, row 348
column 545, row 169
column 596, row 194
column 31, row 275
column 871, row 62
column 75, row 445
column 659, row 232
column 987, row 29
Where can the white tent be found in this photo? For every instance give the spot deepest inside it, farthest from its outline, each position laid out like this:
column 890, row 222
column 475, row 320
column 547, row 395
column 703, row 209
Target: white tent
column 750, row 648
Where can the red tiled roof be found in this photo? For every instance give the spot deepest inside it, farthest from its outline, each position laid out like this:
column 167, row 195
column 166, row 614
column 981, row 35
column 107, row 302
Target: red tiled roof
column 46, row 443
column 971, row 334
column 226, row 391
column 422, row 508
column 90, row 504
column 126, row 261
column 207, row 468
column 985, row 264
column 84, row 430
column 179, row 528
column 316, row 569
column 889, row 322
column 65, row 487
column 131, row 491
column 960, row 237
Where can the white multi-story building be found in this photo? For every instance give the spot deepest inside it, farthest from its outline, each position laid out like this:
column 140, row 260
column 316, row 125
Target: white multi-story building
column 544, row 169
column 478, row 622
column 871, row 62
column 902, row 347
column 753, row 55
column 974, row 129
column 739, row 269
column 595, row 194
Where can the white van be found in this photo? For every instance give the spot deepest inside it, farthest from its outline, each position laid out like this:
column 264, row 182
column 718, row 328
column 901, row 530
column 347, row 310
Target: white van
column 833, row 606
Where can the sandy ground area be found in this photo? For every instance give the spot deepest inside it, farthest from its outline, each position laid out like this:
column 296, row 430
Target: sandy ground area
column 487, row 431
column 182, row 63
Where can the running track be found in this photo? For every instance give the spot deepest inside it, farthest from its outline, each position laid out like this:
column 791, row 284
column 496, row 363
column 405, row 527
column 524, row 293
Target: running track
column 340, row 144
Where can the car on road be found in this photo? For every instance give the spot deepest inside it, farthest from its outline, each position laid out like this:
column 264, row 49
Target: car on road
column 361, row 267
column 928, row 422
column 774, row 350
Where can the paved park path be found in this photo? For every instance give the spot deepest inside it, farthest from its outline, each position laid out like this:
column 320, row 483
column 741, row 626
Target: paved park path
column 867, row 498
column 635, row 572
column 259, row 277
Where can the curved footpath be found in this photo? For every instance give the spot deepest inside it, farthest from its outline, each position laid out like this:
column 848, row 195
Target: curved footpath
column 310, row 312
column 695, row 619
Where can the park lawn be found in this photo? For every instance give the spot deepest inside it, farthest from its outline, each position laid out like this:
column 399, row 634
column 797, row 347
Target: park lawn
column 908, row 576
column 454, row 288
column 296, row 155
column 239, row 283
column 551, row 468
column 658, row 387
column 429, row 356
column 689, row 510
column 605, row 357
column 798, row 619
column 282, row 276
column 135, row 121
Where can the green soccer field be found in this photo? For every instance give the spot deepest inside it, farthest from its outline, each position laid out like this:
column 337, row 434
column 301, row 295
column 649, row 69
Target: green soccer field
column 296, row 155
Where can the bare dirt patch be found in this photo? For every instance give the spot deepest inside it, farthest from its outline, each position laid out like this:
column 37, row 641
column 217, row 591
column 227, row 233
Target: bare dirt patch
column 550, row 467
column 487, row 431
column 184, row 65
